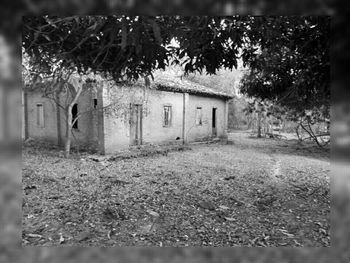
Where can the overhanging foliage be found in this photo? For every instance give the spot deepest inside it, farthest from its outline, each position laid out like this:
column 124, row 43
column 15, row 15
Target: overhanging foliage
column 288, row 56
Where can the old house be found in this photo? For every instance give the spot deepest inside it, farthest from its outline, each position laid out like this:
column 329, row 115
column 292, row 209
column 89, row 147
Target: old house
column 167, row 110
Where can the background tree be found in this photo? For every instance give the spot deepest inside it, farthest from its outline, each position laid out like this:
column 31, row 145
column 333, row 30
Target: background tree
column 291, row 67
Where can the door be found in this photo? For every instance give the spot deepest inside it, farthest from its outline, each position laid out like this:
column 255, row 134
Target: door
column 214, row 132
column 136, row 124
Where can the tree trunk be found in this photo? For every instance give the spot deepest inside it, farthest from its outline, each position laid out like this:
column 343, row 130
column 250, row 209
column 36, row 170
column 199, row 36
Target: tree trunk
column 311, row 134
column 68, row 141
column 25, row 113
column 259, row 124
column 58, row 119
column 69, row 122
column 300, row 139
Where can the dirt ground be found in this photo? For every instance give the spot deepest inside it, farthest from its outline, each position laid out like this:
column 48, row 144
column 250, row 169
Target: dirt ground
column 249, row 192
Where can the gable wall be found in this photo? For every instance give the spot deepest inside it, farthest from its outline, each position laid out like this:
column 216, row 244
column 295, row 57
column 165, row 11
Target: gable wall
column 204, row 131
column 85, row 135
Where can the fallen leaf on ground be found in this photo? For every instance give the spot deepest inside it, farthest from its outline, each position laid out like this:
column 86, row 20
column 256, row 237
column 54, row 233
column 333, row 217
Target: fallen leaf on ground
column 61, row 239
column 206, row 205
column 83, row 236
column 285, row 232
column 152, row 213
column 34, row 235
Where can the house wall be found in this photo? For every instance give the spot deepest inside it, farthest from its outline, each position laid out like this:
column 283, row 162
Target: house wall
column 116, row 116
column 117, row 125
column 48, row 131
column 204, row 131
column 154, row 130
column 85, row 135
column 109, row 131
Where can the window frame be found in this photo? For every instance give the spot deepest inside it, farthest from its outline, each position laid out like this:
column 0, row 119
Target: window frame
column 200, row 123
column 40, row 115
column 170, row 120
column 75, row 126
column 95, row 103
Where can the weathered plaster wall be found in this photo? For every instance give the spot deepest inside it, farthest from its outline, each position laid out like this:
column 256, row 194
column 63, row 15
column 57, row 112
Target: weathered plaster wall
column 47, row 132
column 154, row 131
column 117, row 123
column 85, row 135
column 116, row 116
column 204, row 131
column 109, row 131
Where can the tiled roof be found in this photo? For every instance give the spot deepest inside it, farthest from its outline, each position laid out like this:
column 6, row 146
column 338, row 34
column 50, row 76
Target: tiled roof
column 169, row 82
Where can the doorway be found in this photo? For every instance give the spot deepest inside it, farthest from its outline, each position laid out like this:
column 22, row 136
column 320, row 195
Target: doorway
column 135, row 124
column 214, row 131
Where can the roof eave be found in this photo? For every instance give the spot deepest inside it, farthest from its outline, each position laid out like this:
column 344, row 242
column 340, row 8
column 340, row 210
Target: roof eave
column 193, row 92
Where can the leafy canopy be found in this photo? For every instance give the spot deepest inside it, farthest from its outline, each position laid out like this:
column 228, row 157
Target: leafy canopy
column 292, row 67
column 288, row 57
column 132, row 46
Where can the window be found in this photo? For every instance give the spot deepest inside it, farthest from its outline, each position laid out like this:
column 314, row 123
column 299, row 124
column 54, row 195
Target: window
column 167, row 116
column 199, row 116
column 74, row 115
column 95, row 103
column 40, row 114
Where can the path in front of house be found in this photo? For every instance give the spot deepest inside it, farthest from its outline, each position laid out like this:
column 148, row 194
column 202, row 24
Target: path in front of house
column 253, row 192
